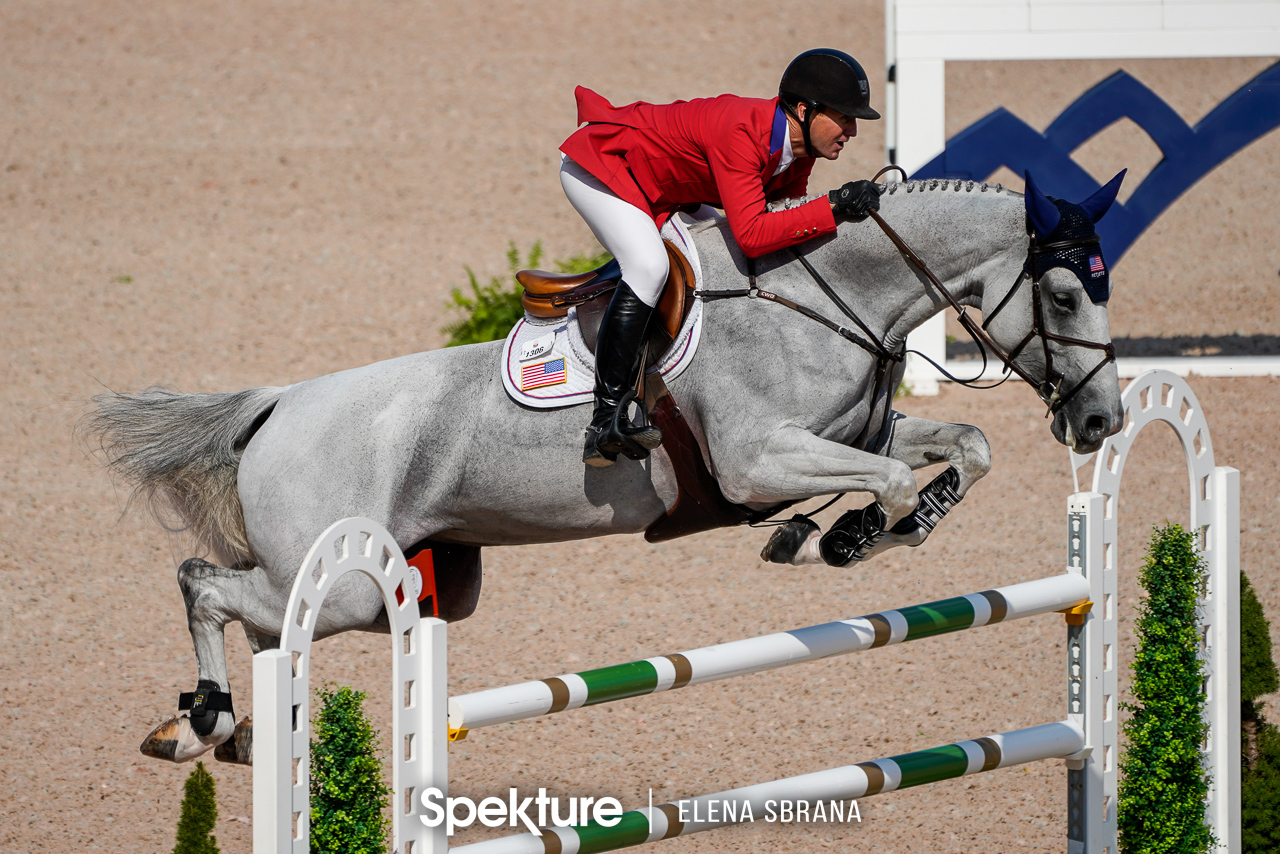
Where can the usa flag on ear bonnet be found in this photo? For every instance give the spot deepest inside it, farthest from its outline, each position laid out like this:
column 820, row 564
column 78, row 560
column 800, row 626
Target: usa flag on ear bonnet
column 1051, row 221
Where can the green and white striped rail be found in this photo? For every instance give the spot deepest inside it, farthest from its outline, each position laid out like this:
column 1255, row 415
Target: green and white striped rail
column 1049, row 741
column 737, row 658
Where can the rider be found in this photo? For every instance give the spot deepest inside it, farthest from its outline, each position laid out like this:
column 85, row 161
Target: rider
column 632, row 167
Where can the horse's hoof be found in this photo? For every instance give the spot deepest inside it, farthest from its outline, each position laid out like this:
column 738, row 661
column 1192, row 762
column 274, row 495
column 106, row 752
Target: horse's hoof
column 237, row 750
column 174, row 741
column 787, row 540
column 162, row 742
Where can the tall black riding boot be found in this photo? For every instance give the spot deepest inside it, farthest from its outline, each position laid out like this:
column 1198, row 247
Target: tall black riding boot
column 619, row 350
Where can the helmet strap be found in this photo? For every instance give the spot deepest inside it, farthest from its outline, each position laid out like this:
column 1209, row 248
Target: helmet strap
column 810, row 108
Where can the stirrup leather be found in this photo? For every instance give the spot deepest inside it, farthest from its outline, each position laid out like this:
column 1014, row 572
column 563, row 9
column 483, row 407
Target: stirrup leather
column 620, row 358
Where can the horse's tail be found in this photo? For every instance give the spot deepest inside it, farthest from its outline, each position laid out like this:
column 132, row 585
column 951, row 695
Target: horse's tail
column 181, row 452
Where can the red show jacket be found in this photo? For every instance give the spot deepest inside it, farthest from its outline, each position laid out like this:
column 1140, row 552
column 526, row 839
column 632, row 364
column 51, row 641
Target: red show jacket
column 719, row 151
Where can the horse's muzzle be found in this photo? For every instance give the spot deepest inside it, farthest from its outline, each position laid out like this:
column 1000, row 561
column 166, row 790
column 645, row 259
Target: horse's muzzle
column 1097, row 428
column 1084, row 432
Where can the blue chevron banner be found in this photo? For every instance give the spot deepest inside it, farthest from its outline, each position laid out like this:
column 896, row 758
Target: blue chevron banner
column 1002, row 139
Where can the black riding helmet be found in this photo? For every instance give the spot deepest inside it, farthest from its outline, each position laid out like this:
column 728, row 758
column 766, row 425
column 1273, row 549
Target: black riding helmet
column 825, row 77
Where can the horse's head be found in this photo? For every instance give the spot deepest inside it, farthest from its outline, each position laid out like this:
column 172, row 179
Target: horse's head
column 1063, row 290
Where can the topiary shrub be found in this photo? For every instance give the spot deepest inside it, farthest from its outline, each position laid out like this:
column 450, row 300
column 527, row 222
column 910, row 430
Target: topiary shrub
column 199, row 814
column 1258, row 675
column 1163, row 783
column 348, row 795
column 1260, row 740
column 492, row 309
column 1260, row 795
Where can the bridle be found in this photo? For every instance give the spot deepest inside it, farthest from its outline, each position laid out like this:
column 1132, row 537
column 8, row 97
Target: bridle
column 1050, row 390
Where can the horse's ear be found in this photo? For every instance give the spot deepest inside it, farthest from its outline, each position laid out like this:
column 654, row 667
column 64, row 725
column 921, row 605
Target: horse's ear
column 1097, row 205
column 1044, row 214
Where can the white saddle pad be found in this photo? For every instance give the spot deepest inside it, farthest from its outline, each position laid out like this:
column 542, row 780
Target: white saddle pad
column 546, row 363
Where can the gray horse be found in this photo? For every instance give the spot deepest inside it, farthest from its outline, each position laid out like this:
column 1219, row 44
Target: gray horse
column 431, row 446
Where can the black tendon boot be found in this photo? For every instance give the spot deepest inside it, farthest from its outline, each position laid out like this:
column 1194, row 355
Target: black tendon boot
column 619, row 350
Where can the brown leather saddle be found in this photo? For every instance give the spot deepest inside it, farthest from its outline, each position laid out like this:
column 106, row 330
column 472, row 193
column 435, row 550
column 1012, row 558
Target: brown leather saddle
column 549, row 295
column 700, row 505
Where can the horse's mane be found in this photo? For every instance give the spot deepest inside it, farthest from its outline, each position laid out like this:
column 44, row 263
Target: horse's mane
column 922, row 186
column 952, row 184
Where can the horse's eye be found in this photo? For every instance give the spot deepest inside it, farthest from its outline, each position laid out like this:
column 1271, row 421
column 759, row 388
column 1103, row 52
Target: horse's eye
column 1062, row 300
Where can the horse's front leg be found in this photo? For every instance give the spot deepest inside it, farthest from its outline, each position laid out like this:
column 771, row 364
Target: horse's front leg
column 794, row 464
column 919, row 442
column 913, row 443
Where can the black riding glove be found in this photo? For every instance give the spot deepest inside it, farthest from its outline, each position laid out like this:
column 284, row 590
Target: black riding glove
column 855, row 199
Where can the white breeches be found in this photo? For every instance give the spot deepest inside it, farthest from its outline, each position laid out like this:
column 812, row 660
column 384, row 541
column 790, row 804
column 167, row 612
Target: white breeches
column 627, row 232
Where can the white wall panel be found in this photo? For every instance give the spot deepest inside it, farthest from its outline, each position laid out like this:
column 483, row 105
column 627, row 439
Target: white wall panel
column 1135, row 44
column 1038, row 4
column 1083, row 29
column 1096, row 17
column 1217, row 16
column 922, row 129
column 921, row 35
column 959, row 4
column 951, row 18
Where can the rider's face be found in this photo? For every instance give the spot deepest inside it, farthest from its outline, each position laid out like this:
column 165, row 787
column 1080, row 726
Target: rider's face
column 829, row 131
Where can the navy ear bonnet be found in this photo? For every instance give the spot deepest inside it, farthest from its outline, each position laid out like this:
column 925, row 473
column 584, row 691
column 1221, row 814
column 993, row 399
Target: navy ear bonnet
column 1063, row 235
column 1083, row 257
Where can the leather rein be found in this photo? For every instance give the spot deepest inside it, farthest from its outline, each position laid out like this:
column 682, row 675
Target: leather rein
column 1049, row 390
column 871, row 344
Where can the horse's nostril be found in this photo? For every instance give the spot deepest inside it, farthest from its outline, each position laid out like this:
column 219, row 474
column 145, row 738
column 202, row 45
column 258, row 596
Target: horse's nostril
column 1095, row 427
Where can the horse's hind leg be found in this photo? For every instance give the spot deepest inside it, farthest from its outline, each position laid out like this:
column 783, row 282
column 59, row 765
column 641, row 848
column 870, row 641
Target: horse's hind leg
column 214, row 596
column 238, row 749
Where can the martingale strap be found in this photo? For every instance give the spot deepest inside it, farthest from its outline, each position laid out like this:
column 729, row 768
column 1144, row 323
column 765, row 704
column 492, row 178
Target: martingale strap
column 872, row 344
column 701, row 505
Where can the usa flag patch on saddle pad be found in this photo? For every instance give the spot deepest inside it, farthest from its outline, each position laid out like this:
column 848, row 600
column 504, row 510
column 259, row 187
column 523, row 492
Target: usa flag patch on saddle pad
column 550, row 372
